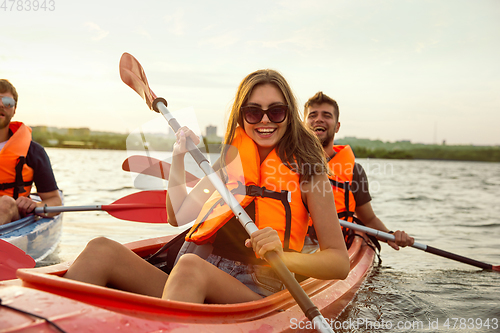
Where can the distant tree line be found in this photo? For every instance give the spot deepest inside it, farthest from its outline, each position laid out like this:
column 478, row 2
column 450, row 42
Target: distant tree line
column 454, row 153
column 113, row 141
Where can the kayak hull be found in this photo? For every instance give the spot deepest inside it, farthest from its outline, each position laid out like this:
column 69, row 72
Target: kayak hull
column 71, row 304
column 37, row 237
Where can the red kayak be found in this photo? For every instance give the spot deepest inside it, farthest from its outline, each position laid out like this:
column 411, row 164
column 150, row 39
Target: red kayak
column 72, row 306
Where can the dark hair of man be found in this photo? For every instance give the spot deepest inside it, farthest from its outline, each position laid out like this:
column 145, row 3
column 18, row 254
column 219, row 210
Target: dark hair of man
column 6, row 86
column 320, row 98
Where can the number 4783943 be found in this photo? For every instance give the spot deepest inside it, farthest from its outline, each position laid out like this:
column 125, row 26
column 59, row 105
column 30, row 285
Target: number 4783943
column 471, row 323
column 28, row 5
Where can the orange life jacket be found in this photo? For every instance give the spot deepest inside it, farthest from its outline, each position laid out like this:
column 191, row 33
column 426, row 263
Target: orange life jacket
column 16, row 176
column 342, row 167
column 274, row 188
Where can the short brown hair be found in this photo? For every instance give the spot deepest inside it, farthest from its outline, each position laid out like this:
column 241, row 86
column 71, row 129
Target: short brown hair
column 321, row 98
column 6, row 86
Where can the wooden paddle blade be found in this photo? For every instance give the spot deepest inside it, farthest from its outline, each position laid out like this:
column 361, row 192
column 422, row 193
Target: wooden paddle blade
column 11, row 259
column 145, row 206
column 154, row 167
column 133, row 75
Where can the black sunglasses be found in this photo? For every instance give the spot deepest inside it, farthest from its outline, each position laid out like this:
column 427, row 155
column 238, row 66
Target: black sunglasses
column 254, row 114
column 8, row 102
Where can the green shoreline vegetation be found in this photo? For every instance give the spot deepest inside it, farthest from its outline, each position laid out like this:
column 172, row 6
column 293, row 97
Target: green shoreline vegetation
column 363, row 148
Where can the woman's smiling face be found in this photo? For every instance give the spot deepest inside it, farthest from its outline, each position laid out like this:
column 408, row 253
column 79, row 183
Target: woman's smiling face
column 265, row 134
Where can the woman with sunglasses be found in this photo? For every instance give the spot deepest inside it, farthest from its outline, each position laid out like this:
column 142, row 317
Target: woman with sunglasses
column 278, row 173
column 278, row 156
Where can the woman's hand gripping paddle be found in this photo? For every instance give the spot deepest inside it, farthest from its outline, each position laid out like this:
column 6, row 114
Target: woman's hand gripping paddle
column 133, row 75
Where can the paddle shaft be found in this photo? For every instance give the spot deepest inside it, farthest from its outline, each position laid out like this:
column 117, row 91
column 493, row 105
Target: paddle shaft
column 144, row 206
column 423, row 247
column 303, row 300
column 107, row 208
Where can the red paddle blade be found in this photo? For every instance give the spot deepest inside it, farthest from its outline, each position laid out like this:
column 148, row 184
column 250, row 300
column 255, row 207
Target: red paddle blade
column 154, row 167
column 11, row 259
column 133, row 75
column 496, row 268
column 145, row 206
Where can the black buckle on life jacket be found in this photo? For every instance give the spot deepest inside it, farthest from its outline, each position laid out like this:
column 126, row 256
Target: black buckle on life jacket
column 255, row 191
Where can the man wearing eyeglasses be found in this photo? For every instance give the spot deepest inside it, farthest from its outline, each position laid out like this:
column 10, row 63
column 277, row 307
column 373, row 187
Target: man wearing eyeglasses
column 349, row 181
column 22, row 162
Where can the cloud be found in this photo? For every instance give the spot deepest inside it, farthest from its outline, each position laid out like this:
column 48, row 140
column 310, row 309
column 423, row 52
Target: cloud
column 96, row 30
column 221, row 41
column 176, row 23
column 301, row 41
column 422, row 46
column 143, row 32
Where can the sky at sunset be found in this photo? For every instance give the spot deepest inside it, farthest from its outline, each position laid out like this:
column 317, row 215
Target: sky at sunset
column 419, row 70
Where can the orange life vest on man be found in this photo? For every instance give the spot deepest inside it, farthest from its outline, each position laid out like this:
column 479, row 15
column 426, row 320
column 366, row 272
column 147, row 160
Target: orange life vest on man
column 341, row 173
column 342, row 168
column 274, row 188
column 16, row 176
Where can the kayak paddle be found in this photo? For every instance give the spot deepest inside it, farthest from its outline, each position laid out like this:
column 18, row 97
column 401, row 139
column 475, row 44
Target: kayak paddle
column 11, row 259
column 423, row 247
column 133, row 75
column 154, row 167
column 145, row 206
column 374, row 232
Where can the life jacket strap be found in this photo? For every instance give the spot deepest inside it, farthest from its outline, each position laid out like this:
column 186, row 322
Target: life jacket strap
column 19, row 183
column 346, row 196
column 19, row 188
column 346, row 215
column 337, row 183
column 257, row 191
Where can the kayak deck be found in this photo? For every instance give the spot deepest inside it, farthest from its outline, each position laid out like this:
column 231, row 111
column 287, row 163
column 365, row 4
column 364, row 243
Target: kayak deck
column 73, row 302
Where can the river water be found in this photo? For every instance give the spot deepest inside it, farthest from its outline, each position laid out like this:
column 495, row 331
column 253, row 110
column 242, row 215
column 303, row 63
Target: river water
column 449, row 205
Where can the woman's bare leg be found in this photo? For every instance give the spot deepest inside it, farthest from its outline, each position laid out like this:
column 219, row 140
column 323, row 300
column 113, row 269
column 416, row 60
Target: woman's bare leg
column 195, row 280
column 108, row 263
